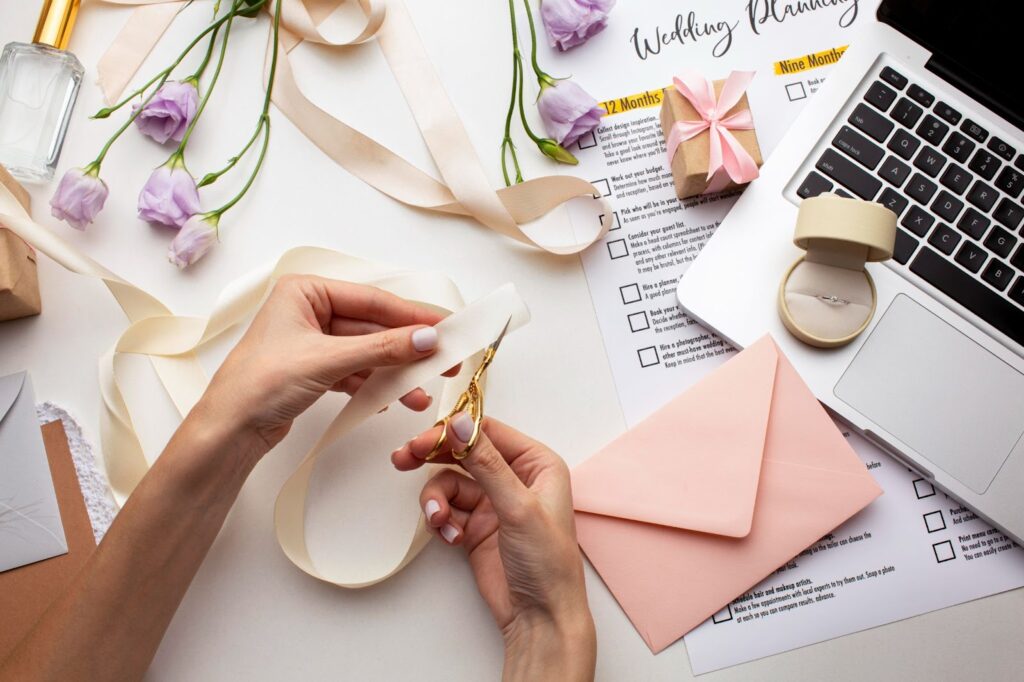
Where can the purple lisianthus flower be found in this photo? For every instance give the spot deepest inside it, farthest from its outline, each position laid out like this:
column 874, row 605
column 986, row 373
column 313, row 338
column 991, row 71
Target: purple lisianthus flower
column 573, row 22
column 567, row 111
column 169, row 196
column 168, row 113
column 194, row 239
column 79, row 197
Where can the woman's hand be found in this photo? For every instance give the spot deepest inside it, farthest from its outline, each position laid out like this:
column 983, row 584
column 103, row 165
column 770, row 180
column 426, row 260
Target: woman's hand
column 515, row 520
column 311, row 336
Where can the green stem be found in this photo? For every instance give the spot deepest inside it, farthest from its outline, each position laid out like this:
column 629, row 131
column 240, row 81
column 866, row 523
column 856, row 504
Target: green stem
column 264, row 118
column 518, row 57
column 213, row 81
column 198, row 73
column 210, row 178
column 252, row 176
column 162, row 76
column 542, row 77
column 506, row 142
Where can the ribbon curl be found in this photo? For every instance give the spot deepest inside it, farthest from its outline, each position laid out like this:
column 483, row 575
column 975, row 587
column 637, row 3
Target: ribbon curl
column 726, row 152
column 465, row 189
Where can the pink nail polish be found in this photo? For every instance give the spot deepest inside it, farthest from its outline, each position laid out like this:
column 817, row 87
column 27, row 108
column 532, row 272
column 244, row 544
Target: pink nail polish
column 424, row 339
column 431, row 508
column 449, row 533
column 463, row 425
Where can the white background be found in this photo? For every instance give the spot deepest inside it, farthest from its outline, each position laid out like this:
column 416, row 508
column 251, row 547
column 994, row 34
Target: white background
column 250, row 614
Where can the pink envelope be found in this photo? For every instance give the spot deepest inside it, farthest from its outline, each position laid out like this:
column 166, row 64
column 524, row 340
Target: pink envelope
column 710, row 494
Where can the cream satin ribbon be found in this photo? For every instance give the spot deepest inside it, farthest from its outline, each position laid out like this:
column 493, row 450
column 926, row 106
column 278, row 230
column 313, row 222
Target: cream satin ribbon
column 171, row 342
column 465, row 190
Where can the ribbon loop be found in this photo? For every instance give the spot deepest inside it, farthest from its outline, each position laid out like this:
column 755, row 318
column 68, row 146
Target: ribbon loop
column 465, row 189
column 725, row 152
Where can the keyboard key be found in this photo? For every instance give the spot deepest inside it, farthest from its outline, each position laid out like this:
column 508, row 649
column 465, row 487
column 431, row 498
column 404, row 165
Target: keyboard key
column 813, row 185
column 984, row 164
column 956, row 178
column 904, row 144
column 917, row 221
column 893, row 78
column 982, row 196
column 974, row 130
column 1018, row 258
column 1002, row 148
column 858, row 147
column 921, row 96
column 871, row 122
column 1000, row 242
column 894, row 171
column 840, row 192
column 944, row 239
column 894, row 201
column 848, row 175
column 947, row 206
column 906, row 112
column 1019, row 161
column 971, row 256
column 932, row 130
column 969, row 292
column 959, row 147
column 905, row 245
column 1008, row 214
column 947, row 113
column 880, row 95
column 998, row 274
column 921, row 188
column 1017, row 291
column 930, row 161
column 1010, row 181
column 973, row 223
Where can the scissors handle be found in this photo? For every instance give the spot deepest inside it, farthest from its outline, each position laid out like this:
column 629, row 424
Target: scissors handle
column 472, row 402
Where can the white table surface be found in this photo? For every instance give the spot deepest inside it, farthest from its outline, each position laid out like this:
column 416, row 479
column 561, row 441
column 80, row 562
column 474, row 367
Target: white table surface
column 250, row 614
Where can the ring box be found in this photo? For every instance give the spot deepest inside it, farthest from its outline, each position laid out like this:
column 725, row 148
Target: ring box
column 827, row 297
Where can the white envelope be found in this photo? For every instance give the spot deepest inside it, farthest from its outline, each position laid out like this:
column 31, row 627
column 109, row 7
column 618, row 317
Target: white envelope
column 30, row 525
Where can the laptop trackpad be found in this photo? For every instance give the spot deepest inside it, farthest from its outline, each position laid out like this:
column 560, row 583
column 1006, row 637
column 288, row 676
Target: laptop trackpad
column 937, row 391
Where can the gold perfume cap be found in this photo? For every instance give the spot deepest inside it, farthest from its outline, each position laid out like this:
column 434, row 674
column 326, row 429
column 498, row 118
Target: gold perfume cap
column 55, row 23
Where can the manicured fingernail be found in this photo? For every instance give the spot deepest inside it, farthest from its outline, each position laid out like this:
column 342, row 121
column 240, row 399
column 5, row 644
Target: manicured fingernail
column 431, row 508
column 449, row 533
column 424, row 339
column 462, row 424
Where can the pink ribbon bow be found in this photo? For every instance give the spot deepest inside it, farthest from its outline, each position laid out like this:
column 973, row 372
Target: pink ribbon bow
column 726, row 154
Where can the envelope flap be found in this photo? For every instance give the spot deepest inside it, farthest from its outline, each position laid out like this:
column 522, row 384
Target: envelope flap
column 695, row 463
column 10, row 389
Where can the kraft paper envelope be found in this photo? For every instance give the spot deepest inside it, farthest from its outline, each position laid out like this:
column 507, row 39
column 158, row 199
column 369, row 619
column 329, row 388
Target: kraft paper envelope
column 709, row 495
column 30, row 527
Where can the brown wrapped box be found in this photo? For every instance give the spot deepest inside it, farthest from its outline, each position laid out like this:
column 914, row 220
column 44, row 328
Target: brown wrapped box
column 690, row 162
column 19, row 283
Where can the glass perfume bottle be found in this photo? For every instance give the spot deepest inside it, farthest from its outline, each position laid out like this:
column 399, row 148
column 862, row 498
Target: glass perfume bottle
column 39, row 83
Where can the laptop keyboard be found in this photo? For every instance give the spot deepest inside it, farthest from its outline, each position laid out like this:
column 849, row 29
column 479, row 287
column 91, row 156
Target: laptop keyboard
column 955, row 188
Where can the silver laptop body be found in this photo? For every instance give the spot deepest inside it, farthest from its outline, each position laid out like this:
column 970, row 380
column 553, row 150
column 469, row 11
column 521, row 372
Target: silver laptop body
column 938, row 378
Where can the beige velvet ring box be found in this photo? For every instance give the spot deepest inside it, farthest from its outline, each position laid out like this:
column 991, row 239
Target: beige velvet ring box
column 827, row 297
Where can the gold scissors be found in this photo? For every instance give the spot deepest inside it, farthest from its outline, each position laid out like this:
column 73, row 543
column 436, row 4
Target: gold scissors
column 471, row 401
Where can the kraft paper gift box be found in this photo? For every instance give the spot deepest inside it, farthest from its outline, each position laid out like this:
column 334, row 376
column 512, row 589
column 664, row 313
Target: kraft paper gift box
column 713, row 492
column 691, row 159
column 19, row 283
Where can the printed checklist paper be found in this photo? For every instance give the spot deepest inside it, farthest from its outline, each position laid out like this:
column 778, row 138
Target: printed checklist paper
column 912, row 551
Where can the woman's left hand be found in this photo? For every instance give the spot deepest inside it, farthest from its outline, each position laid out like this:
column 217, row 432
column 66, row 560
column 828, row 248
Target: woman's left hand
column 315, row 335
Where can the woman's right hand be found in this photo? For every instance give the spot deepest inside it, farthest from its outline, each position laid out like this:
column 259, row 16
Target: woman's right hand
column 514, row 519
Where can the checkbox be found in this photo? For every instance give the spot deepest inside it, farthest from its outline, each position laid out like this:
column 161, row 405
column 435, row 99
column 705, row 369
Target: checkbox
column 723, row 616
column 630, row 293
column 587, row 141
column 944, row 551
column 604, row 188
column 796, row 91
column 923, row 488
column 648, row 356
column 934, row 521
column 617, row 249
column 638, row 322
column 615, row 221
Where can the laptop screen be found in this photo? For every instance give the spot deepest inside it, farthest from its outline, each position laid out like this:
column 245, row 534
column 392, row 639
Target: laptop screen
column 974, row 46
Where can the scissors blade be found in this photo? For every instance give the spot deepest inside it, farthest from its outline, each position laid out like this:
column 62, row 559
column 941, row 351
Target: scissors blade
column 497, row 342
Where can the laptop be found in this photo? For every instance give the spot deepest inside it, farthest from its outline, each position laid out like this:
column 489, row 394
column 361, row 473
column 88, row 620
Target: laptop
column 922, row 115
